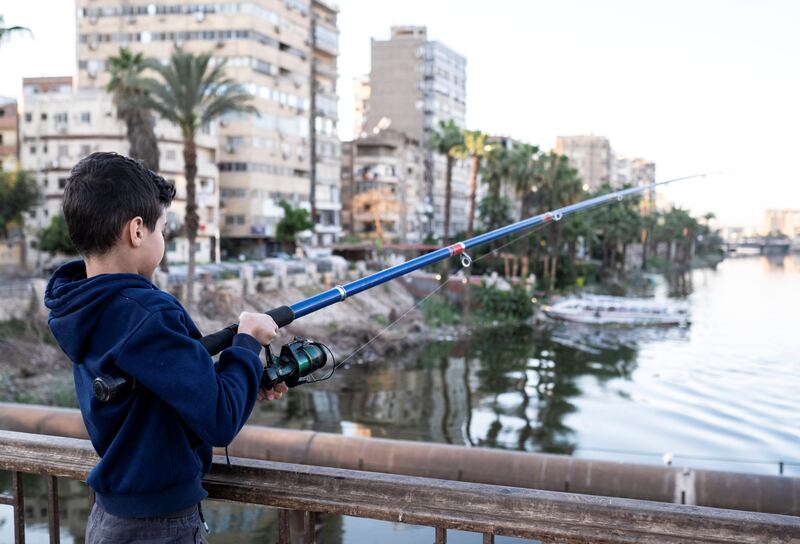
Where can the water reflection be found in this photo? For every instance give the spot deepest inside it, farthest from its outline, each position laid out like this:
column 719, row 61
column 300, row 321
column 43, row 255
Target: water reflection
column 507, row 387
column 723, row 388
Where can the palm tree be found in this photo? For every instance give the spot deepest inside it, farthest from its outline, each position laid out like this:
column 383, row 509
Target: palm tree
column 496, row 171
column 191, row 93
column 560, row 186
column 444, row 141
column 126, row 87
column 475, row 148
column 524, row 172
column 6, row 31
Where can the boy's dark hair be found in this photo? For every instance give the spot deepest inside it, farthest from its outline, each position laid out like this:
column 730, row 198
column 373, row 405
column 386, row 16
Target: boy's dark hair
column 106, row 190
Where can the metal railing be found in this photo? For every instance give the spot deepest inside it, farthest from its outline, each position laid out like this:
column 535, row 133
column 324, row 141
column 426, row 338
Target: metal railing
column 301, row 492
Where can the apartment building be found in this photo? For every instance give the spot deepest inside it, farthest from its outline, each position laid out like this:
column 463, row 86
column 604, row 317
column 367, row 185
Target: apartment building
column 383, row 183
column 415, row 83
column 61, row 126
column 276, row 49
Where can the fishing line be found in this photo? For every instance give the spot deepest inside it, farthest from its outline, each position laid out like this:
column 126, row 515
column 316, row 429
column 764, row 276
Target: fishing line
column 429, row 295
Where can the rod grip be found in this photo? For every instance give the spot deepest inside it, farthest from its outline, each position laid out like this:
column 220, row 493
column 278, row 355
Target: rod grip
column 216, row 342
column 283, row 315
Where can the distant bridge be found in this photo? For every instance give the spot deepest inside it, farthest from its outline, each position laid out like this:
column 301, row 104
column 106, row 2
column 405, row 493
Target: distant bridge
column 759, row 245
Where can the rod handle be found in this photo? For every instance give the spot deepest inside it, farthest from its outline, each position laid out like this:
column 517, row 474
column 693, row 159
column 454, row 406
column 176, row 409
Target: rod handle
column 217, row 341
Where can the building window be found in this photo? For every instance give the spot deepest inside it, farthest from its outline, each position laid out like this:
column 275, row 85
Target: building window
column 170, row 154
column 85, row 150
column 61, row 117
column 171, row 246
column 28, row 117
column 43, row 117
column 86, row 117
column 62, row 182
column 32, row 150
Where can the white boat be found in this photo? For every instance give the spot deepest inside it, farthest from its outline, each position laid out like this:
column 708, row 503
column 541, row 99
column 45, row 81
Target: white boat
column 606, row 310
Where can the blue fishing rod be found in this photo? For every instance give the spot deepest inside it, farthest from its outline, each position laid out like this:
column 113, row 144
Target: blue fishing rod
column 302, row 357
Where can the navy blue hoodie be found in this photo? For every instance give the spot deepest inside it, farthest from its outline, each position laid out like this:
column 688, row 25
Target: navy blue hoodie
column 155, row 441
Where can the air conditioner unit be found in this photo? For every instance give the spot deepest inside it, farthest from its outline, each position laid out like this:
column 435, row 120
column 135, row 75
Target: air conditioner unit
column 92, row 45
column 230, row 149
column 200, row 16
column 92, row 72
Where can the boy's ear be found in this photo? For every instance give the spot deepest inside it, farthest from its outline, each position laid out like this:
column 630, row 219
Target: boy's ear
column 135, row 232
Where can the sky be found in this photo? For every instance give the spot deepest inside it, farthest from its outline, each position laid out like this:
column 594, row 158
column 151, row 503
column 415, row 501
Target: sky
column 697, row 86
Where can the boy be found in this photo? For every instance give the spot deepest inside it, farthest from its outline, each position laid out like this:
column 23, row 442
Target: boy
column 155, row 440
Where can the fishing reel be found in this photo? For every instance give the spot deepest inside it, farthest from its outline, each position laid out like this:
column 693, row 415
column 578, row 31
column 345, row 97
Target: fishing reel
column 297, row 359
column 294, row 365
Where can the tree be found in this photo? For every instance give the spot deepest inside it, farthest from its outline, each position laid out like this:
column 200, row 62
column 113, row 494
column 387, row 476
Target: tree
column 55, row 238
column 8, row 31
column 494, row 209
column 127, row 89
column 524, row 172
column 191, row 93
column 294, row 220
column 444, row 141
column 18, row 193
column 475, row 148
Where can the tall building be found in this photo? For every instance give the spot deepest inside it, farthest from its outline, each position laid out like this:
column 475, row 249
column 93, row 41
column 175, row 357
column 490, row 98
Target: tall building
column 786, row 222
column 62, row 127
column 361, row 92
column 270, row 47
column 590, row 155
column 382, row 187
column 9, row 134
column 414, row 84
column 635, row 172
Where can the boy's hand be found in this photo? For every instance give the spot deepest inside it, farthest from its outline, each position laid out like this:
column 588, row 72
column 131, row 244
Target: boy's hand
column 273, row 394
column 260, row 326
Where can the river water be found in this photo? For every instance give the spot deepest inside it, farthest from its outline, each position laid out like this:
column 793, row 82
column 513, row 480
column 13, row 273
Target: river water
column 719, row 394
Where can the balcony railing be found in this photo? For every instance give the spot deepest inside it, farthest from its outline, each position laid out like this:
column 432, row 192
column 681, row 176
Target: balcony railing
column 301, row 492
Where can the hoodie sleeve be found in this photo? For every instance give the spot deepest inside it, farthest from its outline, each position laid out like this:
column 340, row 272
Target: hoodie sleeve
column 214, row 401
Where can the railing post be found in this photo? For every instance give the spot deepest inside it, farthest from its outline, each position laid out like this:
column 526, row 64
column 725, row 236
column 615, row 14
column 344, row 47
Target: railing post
column 52, row 510
column 297, row 527
column 441, row 535
column 19, row 507
column 488, row 538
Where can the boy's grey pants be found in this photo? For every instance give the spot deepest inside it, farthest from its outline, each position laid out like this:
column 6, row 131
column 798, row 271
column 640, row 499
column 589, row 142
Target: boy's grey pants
column 182, row 527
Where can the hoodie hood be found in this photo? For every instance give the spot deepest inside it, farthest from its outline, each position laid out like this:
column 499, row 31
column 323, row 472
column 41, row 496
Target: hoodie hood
column 76, row 303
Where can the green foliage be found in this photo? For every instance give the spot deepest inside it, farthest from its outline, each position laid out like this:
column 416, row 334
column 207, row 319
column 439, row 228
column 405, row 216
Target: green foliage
column 6, row 31
column 18, row 193
column 496, row 304
column 294, row 220
column 12, row 328
column 55, row 238
column 127, row 87
column 228, row 275
column 444, row 139
column 264, row 273
column 430, row 240
column 495, row 210
column 438, row 312
column 192, row 91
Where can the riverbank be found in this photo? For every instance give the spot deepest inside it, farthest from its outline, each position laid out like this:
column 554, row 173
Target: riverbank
column 35, row 370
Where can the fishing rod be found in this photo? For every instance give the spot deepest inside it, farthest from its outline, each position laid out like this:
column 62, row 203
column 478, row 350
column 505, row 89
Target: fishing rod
column 302, row 357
